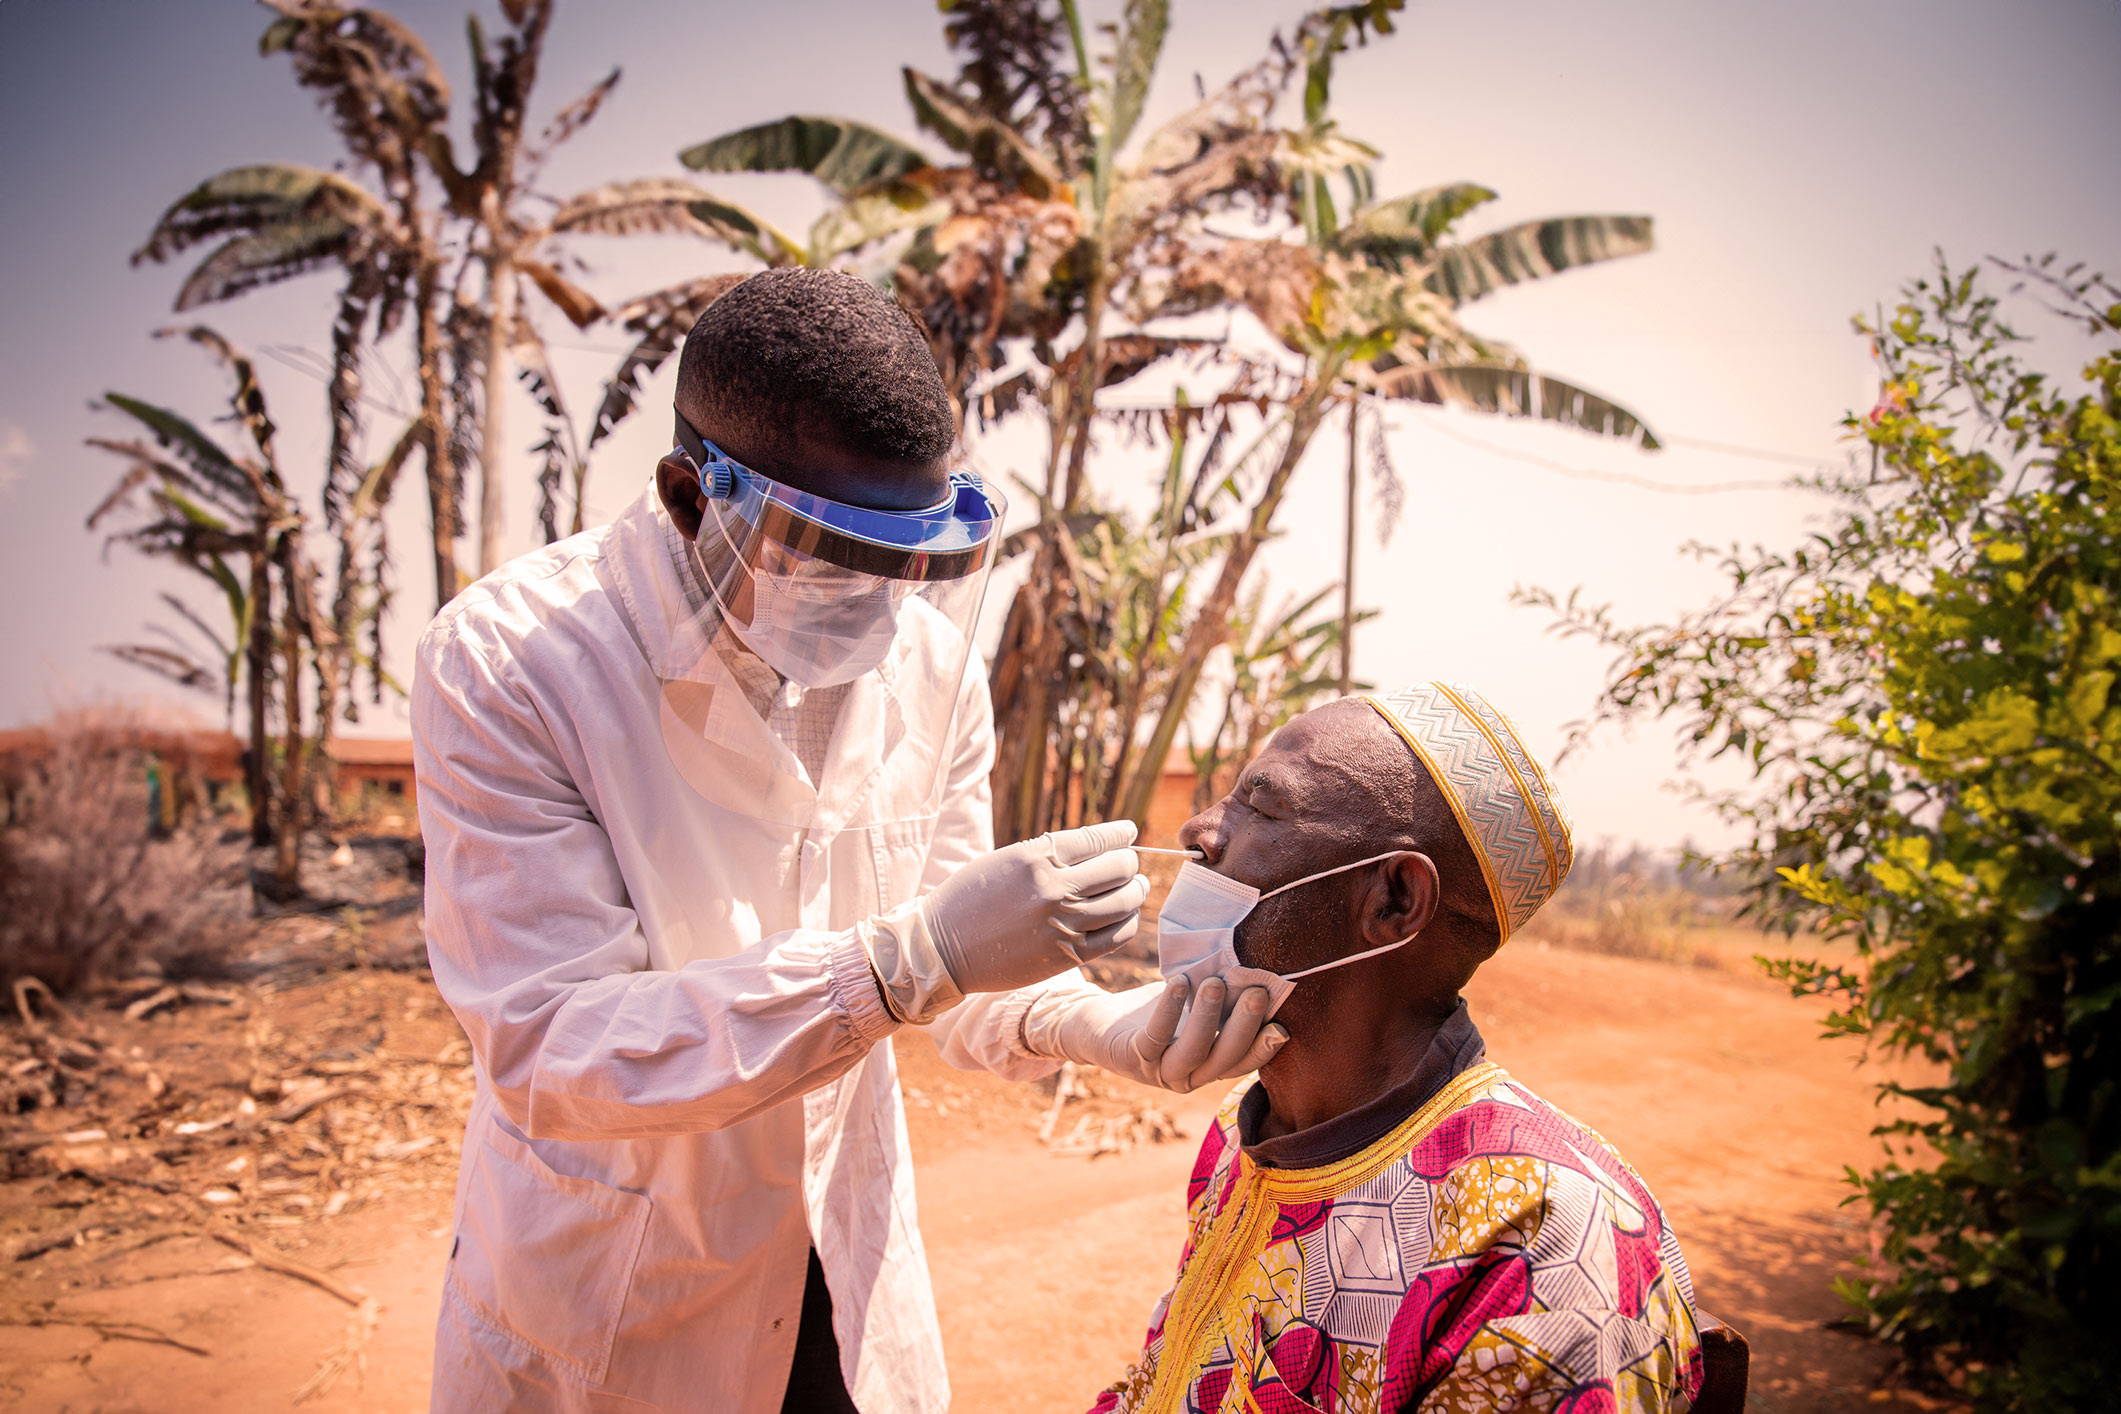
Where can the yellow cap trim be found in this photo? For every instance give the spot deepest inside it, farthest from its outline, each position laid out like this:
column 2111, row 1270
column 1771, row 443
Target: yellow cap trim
column 1531, row 801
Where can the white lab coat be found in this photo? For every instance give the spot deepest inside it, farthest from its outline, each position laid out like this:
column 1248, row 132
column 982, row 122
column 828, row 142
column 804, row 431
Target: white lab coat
column 675, row 1028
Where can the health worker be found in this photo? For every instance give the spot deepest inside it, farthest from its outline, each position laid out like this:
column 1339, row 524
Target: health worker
column 707, row 816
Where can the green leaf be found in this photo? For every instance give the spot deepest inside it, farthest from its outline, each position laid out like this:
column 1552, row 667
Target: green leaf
column 1407, row 228
column 272, row 255
column 738, row 227
column 199, row 451
column 1516, row 392
column 992, row 145
column 673, row 206
column 191, row 510
column 1141, row 41
column 2087, row 699
column 1533, row 251
column 855, row 222
column 262, row 198
column 845, row 155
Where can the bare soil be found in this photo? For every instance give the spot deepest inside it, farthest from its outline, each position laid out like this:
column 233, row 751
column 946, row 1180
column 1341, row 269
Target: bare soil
column 144, row 1268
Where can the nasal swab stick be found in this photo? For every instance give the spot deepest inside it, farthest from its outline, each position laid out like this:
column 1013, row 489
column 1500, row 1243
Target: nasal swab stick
column 1181, row 853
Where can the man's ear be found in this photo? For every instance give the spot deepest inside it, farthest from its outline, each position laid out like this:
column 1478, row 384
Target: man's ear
column 677, row 481
column 1403, row 900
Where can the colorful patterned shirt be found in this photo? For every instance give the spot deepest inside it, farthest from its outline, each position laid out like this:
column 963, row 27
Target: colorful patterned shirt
column 1486, row 1253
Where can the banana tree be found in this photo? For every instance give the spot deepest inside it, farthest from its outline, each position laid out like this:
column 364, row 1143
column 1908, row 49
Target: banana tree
column 382, row 90
column 1050, row 210
column 470, row 247
column 1372, row 305
column 229, row 518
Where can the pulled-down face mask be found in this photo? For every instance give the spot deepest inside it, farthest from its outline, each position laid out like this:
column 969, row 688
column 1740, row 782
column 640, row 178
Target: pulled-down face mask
column 1196, row 933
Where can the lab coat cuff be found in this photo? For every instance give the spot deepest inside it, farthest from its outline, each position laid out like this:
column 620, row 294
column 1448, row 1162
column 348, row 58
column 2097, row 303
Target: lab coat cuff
column 855, row 991
column 909, row 971
column 1035, row 1028
column 1010, row 1018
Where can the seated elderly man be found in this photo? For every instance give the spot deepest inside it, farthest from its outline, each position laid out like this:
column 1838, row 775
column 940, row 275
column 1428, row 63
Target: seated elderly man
column 1387, row 1221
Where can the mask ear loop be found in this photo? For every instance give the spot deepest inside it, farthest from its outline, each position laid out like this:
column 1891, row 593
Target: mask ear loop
column 1352, row 957
column 1329, row 873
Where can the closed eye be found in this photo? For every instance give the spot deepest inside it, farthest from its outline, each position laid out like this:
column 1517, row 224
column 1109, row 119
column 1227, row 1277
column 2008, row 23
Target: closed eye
column 1256, row 794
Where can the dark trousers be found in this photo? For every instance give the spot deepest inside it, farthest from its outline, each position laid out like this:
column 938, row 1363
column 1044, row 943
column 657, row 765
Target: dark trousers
column 814, row 1384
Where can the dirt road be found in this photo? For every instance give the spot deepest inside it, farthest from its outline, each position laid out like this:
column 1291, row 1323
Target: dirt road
column 1712, row 1083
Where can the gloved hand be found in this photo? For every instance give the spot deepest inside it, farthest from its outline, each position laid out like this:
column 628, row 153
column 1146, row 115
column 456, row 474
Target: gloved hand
column 1138, row 1034
column 1038, row 907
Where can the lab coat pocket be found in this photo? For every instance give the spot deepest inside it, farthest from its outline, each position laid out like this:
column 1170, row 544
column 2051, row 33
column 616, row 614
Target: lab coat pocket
column 546, row 1260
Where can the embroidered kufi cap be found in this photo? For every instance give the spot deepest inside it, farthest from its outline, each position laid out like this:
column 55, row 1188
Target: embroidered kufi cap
column 1510, row 812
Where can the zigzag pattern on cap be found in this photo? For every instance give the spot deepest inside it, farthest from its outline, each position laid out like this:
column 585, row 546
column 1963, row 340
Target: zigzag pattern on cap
column 1511, row 814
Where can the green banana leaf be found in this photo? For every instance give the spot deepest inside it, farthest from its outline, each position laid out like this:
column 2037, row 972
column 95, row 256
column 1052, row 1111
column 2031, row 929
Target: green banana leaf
column 1141, row 42
column 1407, row 228
column 845, row 155
column 256, row 198
column 990, row 144
column 1533, row 251
column 1517, row 392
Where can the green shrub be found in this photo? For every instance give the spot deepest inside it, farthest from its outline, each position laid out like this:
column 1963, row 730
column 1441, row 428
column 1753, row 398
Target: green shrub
column 1925, row 694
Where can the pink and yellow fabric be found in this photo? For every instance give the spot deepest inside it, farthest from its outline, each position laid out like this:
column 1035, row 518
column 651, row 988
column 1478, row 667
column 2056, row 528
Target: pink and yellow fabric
column 1489, row 1253
column 1508, row 809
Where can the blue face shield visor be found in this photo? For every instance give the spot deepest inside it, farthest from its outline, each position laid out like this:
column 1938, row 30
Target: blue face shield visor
column 767, row 520
column 825, row 592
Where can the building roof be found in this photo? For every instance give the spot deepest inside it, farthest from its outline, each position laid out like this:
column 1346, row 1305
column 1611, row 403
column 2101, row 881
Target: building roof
column 372, row 750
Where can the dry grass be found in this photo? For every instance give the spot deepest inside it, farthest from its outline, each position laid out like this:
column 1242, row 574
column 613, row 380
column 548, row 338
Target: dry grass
column 91, row 887
column 1632, row 916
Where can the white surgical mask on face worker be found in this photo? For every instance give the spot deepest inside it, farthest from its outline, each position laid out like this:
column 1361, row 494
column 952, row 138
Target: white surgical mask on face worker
column 1196, row 933
column 817, row 630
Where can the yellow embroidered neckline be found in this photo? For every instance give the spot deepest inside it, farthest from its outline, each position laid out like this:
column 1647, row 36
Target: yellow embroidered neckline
column 1196, row 1315
column 1332, row 1180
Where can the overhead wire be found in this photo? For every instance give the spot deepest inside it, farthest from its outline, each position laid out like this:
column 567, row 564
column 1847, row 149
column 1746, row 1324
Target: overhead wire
column 1622, row 478
column 304, row 365
column 276, row 353
column 1736, row 449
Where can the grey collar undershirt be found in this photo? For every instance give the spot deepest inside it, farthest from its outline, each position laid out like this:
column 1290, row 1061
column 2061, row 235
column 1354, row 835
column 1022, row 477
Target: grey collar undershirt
column 1456, row 1048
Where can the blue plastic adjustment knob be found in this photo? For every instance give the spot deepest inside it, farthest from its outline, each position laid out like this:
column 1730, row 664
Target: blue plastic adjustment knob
column 717, row 480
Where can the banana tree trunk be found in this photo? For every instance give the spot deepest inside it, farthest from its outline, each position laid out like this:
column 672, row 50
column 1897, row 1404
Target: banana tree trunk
column 287, row 862
column 1009, row 688
column 1347, row 561
column 1212, row 623
column 500, row 312
column 1208, row 767
column 1022, row 684
column 1155, row 646
column 257, row 777
column 332, row 652
column 444, row 500
column 323, row 756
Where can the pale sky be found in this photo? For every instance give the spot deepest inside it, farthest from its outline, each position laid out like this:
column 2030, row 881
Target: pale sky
column 1801, row 160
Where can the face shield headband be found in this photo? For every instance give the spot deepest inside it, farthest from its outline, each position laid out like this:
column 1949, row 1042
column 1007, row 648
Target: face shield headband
column 953, row 539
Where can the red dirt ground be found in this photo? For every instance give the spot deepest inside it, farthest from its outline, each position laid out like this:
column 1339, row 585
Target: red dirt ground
column 1711, row 1082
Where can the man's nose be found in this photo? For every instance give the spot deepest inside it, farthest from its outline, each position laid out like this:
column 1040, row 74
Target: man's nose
column 1204, row 832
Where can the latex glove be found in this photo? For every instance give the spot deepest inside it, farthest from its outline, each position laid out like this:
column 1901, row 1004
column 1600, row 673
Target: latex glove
column 1032, row 909
column 1138, row 1033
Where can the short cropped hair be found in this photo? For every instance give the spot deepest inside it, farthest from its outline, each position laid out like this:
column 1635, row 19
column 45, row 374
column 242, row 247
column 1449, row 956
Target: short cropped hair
column 791, row 353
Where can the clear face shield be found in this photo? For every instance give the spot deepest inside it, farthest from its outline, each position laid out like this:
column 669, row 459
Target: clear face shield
column 827, row 593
